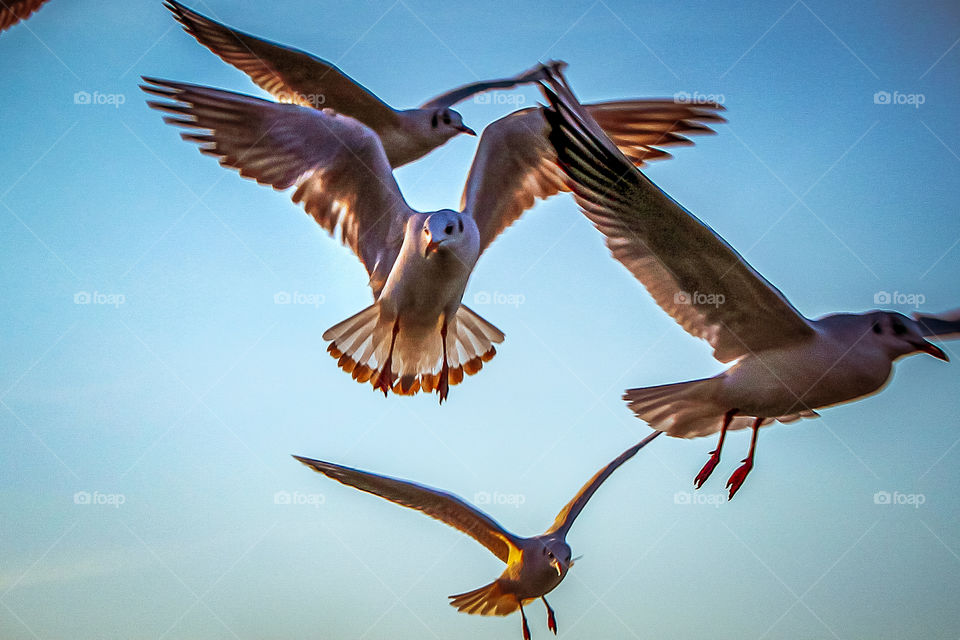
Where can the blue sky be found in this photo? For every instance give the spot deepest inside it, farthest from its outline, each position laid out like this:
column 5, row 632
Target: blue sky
column 174, row 398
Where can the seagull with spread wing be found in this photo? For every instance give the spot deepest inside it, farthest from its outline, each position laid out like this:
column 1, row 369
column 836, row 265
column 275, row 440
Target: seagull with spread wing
column 786, row 366
column 535, row 566
column 291, row 75
column 13, row 11
column 416, row 335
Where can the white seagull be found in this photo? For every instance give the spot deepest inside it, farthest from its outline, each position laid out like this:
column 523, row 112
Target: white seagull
column 417, row 334
column 13, row 11
column 786, row 366
column 291, row 75
column 535, row 566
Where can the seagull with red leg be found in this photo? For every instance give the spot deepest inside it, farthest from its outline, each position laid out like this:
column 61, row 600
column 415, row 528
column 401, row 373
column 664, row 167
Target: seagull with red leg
column 785, row 366
column 535, row 565
column 417, row 335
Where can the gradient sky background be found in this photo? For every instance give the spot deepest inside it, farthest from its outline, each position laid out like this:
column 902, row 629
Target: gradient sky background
column 188, row 398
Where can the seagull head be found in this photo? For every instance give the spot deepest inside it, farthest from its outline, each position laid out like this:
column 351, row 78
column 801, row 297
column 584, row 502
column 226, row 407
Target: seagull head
column 901, row 336
column 444, row 230
column 448, row 123
column 556, row 554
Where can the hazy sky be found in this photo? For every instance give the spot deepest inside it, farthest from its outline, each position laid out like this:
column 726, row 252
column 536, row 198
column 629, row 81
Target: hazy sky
column 172, row 399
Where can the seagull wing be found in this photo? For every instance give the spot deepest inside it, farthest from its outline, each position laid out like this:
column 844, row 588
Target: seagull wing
column 941, row 325
column 288, row 74
column 515, row 163
column 569, row 513
column 13, row 11
column 452, row 97
column 696, row 277
column 442, row 506
column 338, row 165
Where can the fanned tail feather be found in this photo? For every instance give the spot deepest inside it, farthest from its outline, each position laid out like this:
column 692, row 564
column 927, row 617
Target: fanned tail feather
column 690, row 409
column 361, row 345
column 489, row 600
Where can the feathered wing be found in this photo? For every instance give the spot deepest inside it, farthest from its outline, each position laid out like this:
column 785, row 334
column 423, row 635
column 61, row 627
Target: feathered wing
column 440, row 505
column 459, row 94
column 569, row 513
column 691, row 272
column 489, row 600
column 339, row 168
column 941, row 325
column 13, row 11
column 287, row 73
column 515, row 164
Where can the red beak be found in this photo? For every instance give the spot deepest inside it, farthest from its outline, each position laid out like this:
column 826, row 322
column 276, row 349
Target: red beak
column 934, row 350
column 433, row 246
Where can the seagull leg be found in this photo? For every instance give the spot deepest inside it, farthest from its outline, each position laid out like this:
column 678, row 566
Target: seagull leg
column 551, row 618
column 715, row 454
column 443, row 386
column 733, row 484
column 526, row 629
column 385, row 377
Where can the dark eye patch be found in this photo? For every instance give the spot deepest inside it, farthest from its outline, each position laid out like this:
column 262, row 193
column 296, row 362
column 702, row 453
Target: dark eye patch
column 461, row 226
column 433, row 121
column 446, row 118
column 898, row 327
column 876, row 328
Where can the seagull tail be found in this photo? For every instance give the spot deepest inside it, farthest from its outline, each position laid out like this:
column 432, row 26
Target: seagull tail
column 489, row 600
column 354, row 342
column 682, row 410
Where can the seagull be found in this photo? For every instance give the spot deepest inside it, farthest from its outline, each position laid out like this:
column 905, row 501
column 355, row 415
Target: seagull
column 291, row 75
column 535, row 566
column 13, row 11
column 416, row 335
column 785, row 366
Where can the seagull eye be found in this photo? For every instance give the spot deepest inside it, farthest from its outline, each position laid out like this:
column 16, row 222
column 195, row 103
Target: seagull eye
column 461, row 226
column 898, row 327
column 876, row 328
column 433, row 121
column 446, row 118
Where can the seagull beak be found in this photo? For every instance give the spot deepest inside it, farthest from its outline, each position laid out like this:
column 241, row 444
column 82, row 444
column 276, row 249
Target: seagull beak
column 467, row 130
column 558, row 567
column 932, row 349
column 433, row 246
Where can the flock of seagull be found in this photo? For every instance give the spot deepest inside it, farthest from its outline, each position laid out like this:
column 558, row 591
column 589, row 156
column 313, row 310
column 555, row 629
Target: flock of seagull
column 336, row 144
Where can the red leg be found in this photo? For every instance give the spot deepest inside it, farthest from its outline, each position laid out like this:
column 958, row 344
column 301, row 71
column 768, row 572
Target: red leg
column 733, row 484
column 715, row 454
column 443, row 386
column 526, row 629
column 551, row 618
column 385, row 377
